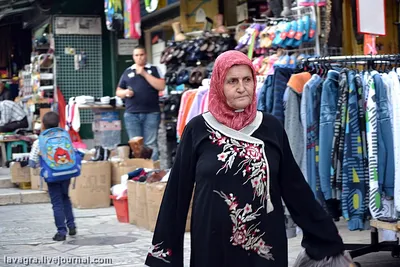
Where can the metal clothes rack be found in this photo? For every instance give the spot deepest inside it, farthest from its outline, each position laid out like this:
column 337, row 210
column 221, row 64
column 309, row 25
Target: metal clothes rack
column 357, row 250
column 354, row 58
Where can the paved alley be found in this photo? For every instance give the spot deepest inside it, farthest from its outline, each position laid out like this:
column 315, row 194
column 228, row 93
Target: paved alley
column 26, row 231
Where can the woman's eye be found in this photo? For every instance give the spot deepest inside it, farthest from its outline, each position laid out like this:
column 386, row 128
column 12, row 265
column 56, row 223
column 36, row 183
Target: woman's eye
column 247, row 80
column 233, row 81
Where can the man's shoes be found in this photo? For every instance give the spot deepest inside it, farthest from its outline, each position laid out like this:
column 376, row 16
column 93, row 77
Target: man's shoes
column 59, row 237
column 72, row 231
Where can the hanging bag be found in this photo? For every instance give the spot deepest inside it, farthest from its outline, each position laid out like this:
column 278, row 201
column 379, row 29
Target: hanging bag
column 59, row 160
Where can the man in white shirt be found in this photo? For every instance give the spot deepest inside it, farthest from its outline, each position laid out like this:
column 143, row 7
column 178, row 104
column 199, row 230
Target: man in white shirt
column 12, row 117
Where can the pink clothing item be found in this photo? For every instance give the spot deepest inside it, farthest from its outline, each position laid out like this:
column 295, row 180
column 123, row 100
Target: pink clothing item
column 195, row 109
column 182, row 107
column 204, row 103
column 217, row 104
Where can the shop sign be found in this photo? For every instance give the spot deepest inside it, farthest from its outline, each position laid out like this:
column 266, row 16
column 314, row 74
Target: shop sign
column 151, row 5
column 78, row 25
column 367, row 9
column 242, row 12
column 126, row 46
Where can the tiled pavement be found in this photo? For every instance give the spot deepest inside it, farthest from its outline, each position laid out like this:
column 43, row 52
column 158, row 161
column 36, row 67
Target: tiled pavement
column 26, row 231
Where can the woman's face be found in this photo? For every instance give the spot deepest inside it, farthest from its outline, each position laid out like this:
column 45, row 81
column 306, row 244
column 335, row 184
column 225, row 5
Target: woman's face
column 239, row 87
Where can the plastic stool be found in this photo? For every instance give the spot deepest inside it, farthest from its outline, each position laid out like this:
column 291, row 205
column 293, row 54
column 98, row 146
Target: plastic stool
column 12, row 144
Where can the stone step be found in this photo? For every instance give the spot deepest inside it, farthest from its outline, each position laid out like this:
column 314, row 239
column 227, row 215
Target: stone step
column 15, row 196
column 5, row 182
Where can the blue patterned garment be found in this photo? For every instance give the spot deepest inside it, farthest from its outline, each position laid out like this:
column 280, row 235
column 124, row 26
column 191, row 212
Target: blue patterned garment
column 353, row 193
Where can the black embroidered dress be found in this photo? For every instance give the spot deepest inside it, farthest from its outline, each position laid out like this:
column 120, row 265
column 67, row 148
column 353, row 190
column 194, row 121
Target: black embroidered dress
column 237, row 175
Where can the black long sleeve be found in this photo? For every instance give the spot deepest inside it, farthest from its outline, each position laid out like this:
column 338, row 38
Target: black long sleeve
column 320, row 235
column 167, row 245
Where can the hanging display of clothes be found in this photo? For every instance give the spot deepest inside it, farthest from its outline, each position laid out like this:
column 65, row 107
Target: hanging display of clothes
column 341, row 127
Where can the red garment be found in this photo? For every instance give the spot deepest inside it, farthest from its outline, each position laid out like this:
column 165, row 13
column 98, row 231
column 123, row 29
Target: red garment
column 135, row 31
column 61, row 107
column 217, row 104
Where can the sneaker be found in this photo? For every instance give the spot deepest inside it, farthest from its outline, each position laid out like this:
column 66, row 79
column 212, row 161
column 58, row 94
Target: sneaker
column 72, row 231
column 59, row 237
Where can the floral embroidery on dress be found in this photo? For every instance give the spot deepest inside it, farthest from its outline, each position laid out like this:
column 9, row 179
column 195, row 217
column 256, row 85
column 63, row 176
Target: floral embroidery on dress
column 248, row 237
column 159, row 253
column 252, row 166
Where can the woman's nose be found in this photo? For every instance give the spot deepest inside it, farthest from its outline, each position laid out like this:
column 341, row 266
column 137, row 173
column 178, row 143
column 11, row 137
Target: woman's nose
column 240, row 87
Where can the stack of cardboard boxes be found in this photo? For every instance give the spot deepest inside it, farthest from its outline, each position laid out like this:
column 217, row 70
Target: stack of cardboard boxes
column 144, row 201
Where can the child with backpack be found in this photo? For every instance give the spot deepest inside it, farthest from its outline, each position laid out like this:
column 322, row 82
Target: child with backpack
column 59, row 162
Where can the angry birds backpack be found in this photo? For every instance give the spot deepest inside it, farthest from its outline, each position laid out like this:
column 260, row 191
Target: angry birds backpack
column 59, row 160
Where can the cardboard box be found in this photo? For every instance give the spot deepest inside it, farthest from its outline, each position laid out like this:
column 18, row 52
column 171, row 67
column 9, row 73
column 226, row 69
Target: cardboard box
column 35, row 180
column 92, row 187
column 154, row 195
column 140, row 212
column 127, row 166
column 88, row 156
column 132, row 201
column 19, row 174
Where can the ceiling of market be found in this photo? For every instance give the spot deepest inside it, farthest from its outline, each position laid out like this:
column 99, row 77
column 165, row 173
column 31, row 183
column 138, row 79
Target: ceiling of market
column 26, row 11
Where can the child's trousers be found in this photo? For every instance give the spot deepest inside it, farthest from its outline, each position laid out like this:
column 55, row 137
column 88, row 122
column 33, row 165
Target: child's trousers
column 62, row 207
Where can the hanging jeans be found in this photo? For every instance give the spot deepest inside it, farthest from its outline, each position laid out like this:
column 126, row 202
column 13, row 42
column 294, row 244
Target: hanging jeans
column 281, row 78
column 353, row 193
column 329, row 99
column 62, row 208
column 269, row 98
column 385, row 140
column 313, row 95
column 261, row 99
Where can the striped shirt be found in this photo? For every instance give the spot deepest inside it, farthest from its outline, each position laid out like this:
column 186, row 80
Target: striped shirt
column 10, row 112
column 34, row 154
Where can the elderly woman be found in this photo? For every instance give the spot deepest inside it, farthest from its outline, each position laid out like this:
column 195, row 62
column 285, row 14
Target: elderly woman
column 242, row 165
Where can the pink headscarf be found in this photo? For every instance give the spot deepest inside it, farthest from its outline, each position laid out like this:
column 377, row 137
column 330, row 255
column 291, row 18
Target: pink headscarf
column 217, row 104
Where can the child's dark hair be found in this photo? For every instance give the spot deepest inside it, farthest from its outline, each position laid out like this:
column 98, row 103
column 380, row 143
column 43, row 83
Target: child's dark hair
column 50, row 120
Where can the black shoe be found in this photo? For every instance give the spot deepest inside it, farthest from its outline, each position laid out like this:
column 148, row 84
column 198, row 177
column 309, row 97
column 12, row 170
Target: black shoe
column 99, row 154
column 59, row 237
column 106, row 154
column 72, row 231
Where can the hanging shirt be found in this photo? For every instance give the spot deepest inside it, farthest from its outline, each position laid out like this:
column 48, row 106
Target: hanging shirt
column 195, row 109
column 235, row 173
column 375, row 200
column 73, row 120
column 395, row 98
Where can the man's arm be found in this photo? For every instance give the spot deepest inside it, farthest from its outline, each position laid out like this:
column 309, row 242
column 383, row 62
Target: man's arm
column 3, row 115
column 34, row 155
column 122, row 93
column 157, row 83
column 122, row 90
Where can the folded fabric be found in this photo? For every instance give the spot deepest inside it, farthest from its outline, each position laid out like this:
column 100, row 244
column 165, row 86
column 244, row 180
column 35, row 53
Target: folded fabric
column 306, row 2
column 136, row 173
column 156, row 176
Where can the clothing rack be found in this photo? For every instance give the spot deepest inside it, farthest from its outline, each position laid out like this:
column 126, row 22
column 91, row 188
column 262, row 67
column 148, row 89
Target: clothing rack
column 357, row 250
column 329, row 59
